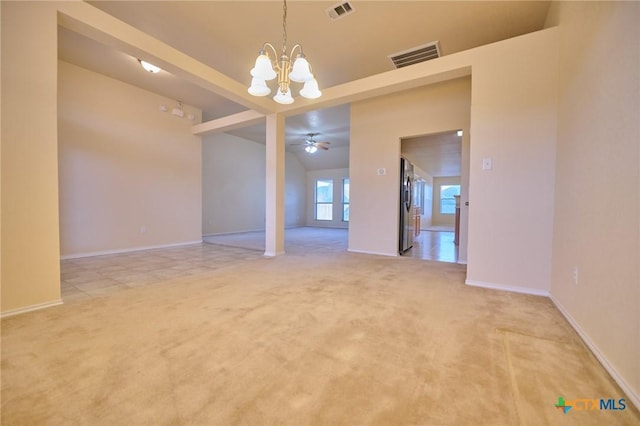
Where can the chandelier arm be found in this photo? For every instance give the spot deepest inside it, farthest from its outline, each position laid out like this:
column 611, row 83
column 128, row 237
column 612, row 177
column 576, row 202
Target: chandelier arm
column 293, row 50
column 274, row 61
column 273, row 49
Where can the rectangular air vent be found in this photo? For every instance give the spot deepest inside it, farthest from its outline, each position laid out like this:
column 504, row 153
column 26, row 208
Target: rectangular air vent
column 416, row 55
column 339, row 10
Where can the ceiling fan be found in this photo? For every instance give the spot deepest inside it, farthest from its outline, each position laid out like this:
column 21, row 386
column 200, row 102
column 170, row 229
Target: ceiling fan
column 311, row 145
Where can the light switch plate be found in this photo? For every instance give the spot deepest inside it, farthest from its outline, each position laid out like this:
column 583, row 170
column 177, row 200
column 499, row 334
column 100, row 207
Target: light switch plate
column 487, row 164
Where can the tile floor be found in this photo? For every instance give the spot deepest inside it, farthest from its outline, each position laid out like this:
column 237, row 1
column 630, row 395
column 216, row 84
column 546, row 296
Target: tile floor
column 434, row 245
column 96, row 276
column 301, row 240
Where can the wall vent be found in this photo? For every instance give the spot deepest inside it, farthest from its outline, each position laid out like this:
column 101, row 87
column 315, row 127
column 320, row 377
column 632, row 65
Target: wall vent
column 339, row 10
column 415, row 55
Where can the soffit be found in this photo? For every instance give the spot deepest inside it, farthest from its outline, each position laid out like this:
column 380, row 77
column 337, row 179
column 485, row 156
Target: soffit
column 227, row 34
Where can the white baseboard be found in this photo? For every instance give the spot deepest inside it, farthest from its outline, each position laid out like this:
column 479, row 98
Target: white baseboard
column 635, row 399
column 372, row 252
column 493, row 286
column 218, row 234
column 273, row 253
column 31, row 308
column 127, row 250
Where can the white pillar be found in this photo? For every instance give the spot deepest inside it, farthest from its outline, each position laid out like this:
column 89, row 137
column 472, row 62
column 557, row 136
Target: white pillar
column 30, row 243
column 274, row 236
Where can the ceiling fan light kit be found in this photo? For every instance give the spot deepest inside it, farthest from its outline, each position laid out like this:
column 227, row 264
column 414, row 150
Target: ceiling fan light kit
column 311, row 145
column 299, row 72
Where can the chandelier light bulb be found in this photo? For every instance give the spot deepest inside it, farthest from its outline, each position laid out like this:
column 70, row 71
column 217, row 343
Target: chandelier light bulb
column 259, row 87
column 300, row 72
column 283, row 98
column 310, row 89
column 263, row 68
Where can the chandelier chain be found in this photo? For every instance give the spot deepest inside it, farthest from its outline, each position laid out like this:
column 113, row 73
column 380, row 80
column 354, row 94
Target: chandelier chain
column 284, row 27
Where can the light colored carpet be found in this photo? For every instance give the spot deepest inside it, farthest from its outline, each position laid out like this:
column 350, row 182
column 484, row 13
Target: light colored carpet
column 335, row 339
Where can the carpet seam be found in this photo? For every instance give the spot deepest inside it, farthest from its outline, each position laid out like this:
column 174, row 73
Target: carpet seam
column 515, row 392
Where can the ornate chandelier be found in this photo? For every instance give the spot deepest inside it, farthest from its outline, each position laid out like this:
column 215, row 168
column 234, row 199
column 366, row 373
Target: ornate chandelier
column 299, row 72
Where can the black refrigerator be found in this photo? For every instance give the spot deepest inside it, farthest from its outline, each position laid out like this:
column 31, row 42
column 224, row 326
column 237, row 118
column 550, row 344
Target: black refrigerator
column 406, row 206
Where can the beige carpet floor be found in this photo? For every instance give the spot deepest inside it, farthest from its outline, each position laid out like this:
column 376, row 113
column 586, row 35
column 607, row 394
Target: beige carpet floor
column 333, row 339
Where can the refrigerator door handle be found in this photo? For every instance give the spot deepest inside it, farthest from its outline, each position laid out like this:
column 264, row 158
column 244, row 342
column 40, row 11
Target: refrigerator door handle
column 407, row 194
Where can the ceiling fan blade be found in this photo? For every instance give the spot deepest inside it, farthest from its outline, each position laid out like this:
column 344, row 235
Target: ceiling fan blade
column 326, row 148
column 325, row 142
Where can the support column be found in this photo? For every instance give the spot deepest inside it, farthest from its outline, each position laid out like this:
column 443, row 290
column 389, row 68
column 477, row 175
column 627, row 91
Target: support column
column 274, row 235
column 30, row 244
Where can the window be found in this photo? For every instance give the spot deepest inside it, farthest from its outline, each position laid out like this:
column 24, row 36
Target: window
column 447, row 201
column 345, row 200
column 324, row 199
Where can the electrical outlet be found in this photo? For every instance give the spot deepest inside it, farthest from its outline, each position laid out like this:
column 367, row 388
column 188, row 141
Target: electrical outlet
column 143, row 229
column 575, row 275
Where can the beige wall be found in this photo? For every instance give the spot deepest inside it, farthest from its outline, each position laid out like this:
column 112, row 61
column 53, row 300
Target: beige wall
column 513, row 123
column 233, row 184
column 233, row 171
column 442, row 219
column 337, row 175
column 295, row 197
column 597, row 212
column 29, row 157
column 377, row 127
column 129, row 173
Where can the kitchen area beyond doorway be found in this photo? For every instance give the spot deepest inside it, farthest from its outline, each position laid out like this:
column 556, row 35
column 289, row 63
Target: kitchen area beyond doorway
column 437, row 186
column 437, row 245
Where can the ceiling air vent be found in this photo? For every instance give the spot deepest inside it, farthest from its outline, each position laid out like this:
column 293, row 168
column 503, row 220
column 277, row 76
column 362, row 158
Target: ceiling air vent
column 339, row 10
column 415, row 55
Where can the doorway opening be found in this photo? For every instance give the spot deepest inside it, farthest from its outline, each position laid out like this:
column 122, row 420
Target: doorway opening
column 440, row 183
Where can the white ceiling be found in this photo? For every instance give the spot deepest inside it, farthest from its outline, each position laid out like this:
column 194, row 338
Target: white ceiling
column 439, row 154
column 226, row 35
